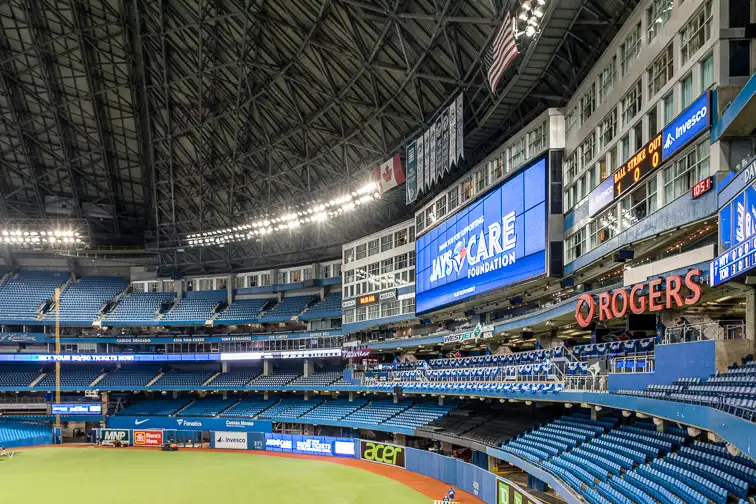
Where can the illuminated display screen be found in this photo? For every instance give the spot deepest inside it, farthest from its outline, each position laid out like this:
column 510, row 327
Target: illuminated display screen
column 498, row 240
column 638, row 167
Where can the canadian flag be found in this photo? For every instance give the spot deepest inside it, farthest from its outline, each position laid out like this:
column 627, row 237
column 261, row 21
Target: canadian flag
column 389, row 174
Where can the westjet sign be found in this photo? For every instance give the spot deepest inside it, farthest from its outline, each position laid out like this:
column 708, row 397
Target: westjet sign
column 693, row 120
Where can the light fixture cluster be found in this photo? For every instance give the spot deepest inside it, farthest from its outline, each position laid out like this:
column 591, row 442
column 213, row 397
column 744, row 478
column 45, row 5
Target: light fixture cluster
column 261, row 226
column 529, row 19
column 35, row 238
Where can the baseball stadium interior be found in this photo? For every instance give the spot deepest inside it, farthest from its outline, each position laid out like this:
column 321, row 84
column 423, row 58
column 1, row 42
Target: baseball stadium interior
column 505, row 245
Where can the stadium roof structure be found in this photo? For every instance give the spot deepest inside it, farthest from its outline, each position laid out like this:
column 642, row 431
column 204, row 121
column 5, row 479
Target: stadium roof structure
column 155, row 119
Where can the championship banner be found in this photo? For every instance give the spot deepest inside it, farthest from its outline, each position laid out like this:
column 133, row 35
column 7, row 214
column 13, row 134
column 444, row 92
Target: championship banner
column 438, row 149
column 414, row 159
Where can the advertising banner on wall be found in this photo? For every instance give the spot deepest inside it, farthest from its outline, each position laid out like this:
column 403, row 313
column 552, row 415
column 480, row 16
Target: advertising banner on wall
column 498, row 240
column 189, row 424
column 382, row 453
column 108, row 437
column 310, row 445
column 473, row 334
column 230, row 440
column 686, row 126
column 411, row 186
column 148, row 438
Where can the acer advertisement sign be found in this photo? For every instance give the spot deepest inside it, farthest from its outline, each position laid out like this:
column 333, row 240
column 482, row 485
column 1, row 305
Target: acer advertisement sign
column 659, row 294
column 496, row 241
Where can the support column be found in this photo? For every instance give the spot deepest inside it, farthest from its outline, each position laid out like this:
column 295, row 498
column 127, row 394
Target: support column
column 750, row 315
column 225, row 394
column 224, row 367
column 309, row 368
column 395, row 397
column 266, row 368
column 594, row 414
column 306, row 396
column 175, row 394
column 179, row 286
column 230, row 284
column 352, row 395
column 400, row 439
column 265, row 395
column 446, row 447
column 492, row 464
column 441, row 401
column 661, row 424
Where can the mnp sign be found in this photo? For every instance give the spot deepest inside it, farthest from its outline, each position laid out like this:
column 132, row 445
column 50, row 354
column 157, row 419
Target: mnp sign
column 382, row 453
column 109, row 436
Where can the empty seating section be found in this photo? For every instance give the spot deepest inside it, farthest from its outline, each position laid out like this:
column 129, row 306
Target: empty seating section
column 139, row 307
column 317, row 380
column 334, row 410
column 81, row 301
column 69, row 378
column 291, row 407
column 287, row 309
column 19, row 379
column 274, row 380
column 155, row 407
column 234, row 378
column 328, row 307
column 420, row 414
column 21, row 295
column 249, row 407
column 182, row 379
column 378, row 412
column 242, row 310
column 195, row 307
column 733, row 391
column 14, row 434
column 123, row 379
column 209, row 406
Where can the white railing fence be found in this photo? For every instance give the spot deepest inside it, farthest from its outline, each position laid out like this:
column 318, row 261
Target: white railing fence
column 722, row 330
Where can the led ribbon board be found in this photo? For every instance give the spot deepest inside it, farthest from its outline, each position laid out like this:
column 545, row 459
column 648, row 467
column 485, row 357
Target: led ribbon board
column 497, row 241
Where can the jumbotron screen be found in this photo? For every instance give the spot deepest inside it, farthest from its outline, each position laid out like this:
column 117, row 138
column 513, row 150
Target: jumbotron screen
column 497, row 241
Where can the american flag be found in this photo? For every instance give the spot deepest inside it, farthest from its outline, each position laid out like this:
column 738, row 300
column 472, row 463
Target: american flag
column 501, row 53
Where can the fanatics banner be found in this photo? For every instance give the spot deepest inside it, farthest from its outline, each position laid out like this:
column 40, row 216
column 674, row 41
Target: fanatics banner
column 411, row 173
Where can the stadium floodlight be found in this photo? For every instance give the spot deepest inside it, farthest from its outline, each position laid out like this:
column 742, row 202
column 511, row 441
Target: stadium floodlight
column 523, row 15
column 530, row 31
column 538, row 12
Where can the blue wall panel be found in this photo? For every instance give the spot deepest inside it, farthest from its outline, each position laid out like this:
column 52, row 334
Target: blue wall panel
column 693, row 360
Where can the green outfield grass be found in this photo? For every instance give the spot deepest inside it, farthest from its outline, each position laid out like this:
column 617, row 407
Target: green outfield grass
column 113, row 476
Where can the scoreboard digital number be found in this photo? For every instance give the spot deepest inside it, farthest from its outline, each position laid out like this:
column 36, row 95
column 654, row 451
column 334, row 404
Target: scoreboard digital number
column 639, row 166
column 701, row 188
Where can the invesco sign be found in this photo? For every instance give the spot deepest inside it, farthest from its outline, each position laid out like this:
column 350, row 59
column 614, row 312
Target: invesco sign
column 647, row 296
column 382, row 453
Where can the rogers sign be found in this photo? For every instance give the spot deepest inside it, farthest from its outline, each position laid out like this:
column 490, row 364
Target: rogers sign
column 617, row 303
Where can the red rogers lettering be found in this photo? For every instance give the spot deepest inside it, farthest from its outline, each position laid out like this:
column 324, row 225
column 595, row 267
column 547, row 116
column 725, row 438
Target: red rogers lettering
column 148, row 438
column 616, row 304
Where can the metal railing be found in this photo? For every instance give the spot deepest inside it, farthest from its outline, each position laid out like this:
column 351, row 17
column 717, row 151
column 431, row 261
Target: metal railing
column 632, row 364
column 598, row 383
column 722, row 330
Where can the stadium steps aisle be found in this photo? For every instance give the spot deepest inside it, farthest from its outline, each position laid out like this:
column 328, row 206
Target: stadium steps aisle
column 98, row 379
column 178, row 413
column 152, row 382
column 207, row 382
column 37, row 379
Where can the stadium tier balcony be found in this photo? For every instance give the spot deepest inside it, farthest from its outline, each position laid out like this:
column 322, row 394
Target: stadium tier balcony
column 249, row 407
column 330, row 307
column 155, row 407
column 234, row 379
column 196, row 307
column 287, row 309
column 81, row 301
column 318, row 379
column 182, row 379
column 733, row 391
column 242, row 310
column 274, row 380
column 122, row 379
column 420, row 414
column 208, row 407
column 138, row 307
column 333, row 410
column 69, row 378
column 378, row 412
column 614, row 349
column 23, row 294
column 291, row 407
